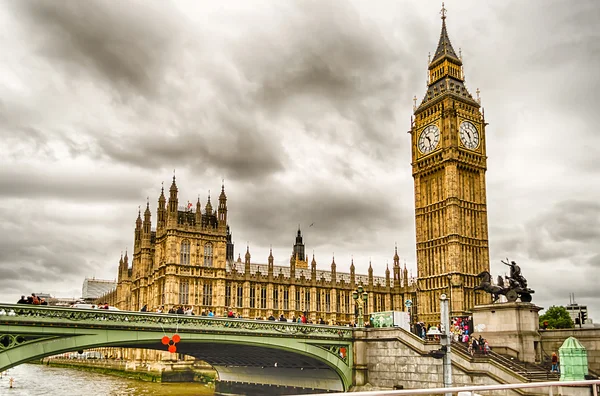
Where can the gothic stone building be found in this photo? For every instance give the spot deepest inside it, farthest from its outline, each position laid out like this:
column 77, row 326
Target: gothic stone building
column 189, row 260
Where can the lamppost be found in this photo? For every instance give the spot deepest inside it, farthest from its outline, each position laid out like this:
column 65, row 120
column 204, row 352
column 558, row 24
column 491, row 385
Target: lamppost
column 446, row 341
column 360, row 297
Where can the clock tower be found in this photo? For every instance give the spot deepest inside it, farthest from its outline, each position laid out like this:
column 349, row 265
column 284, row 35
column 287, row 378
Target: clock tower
column 448, row 166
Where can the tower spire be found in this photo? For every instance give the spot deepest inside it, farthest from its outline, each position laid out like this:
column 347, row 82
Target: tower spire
column 445, row 73
column 444, row 47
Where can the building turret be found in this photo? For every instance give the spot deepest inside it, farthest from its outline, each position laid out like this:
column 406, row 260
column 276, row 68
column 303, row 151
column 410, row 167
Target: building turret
column 370, row 274
column 208, row 209
column 198, row 213
column 222, row 214
column 299, row 246
column 147, row 225
column 270, row 266
column 293, row 268
column 397, row 282
column 173, row 204
column 405, row 277
column 352, row 273
column 120, row 274
column 137, row 239
column 161, row 212
column 333, row 272
column 387, row 276
column 229, row 253
column 313, row 269
column 247, row 262
column 125, row 266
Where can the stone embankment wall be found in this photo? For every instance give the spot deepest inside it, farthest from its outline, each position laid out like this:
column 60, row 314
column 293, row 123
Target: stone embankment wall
column 155, row 372
column 388, row 358
column 589, row 338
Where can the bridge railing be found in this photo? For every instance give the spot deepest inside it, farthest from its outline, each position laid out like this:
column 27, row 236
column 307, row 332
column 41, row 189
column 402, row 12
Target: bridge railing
column 545, row 387
column 35, row 315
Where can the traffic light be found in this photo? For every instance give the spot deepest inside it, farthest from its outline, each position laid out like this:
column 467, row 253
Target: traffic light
column 583, row 315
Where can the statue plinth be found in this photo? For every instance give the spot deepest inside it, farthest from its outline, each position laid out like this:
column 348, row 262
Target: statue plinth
column 510, row 328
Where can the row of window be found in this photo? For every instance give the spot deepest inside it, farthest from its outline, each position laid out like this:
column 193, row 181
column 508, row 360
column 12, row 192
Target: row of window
column 184, row 257
column 344, row 303
column 302, row 302
column 184, row 293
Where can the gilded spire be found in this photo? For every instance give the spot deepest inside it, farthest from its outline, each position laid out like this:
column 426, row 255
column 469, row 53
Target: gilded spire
column 173, row 188
column 444, row 47
column 147, row 211
column 222, row 196
column 445, row 74
column 161, row 198
column 138, row 221
column 208, row 209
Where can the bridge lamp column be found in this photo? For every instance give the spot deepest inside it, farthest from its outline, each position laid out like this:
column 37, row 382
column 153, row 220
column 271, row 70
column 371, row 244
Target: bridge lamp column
column 446, row 341
column 360, row 297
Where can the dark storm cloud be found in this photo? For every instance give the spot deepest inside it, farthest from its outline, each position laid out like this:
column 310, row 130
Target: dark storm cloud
column 240, row 149
column 40, row 250
column 32, row 182
column 325, row 53
column 124, row 44
column 340, row 216
column 568, row 229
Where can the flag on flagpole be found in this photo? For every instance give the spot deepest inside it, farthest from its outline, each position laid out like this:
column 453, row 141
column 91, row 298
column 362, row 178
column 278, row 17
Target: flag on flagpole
column 189, row 206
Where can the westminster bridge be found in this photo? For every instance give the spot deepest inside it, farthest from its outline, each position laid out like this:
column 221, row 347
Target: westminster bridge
column 267, row 353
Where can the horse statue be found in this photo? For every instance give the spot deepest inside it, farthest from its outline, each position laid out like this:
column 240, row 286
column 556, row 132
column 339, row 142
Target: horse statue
column 487, row 286
column 514, row 288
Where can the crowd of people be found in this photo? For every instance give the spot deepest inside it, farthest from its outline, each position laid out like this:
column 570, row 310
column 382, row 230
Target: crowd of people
column 33, row 299
column 461, row 330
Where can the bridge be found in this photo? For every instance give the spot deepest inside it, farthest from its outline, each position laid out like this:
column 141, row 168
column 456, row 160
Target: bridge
column 265, row 352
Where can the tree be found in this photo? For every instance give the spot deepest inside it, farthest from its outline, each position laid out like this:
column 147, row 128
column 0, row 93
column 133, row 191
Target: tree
column 556, row 318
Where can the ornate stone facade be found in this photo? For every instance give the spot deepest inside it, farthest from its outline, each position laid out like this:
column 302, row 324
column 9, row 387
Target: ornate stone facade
column 448, row 165
column 189, row 260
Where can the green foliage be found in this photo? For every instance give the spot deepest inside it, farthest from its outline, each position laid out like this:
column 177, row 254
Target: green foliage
column 556, row 318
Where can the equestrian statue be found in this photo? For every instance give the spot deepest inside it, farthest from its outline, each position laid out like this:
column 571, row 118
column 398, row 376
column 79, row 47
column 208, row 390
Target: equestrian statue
column 516, row 284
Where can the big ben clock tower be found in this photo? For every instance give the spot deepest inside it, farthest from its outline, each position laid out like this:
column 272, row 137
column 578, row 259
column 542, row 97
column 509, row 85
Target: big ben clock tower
column 448, row 166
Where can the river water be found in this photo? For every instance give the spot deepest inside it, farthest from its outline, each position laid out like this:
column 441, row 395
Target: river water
column 40, row 380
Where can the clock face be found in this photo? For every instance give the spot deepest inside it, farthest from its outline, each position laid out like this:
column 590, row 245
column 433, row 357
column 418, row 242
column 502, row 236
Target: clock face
column 429, row 139
column 469, row 135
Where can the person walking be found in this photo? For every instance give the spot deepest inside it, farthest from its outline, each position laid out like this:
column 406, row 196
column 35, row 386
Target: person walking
column 554, row 368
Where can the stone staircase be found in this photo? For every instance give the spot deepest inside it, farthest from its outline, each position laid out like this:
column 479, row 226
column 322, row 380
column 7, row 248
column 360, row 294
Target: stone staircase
column 533, row 372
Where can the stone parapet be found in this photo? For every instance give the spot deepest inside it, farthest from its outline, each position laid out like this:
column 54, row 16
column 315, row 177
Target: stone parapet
column 551, row 340
column 395, row 357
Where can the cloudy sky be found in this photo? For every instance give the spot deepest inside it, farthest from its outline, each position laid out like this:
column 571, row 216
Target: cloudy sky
column 302, row 107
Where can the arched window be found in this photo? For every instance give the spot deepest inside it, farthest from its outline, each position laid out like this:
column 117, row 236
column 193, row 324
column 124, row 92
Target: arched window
column 208, row 255
column 184, row 258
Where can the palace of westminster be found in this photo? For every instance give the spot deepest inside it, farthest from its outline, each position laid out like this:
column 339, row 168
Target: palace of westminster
column 189, row 258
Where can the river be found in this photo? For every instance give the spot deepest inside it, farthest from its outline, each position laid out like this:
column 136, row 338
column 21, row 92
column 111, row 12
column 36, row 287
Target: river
column 40, row 380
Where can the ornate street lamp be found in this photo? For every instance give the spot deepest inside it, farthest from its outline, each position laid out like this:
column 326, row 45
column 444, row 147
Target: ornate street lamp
column 360, row 297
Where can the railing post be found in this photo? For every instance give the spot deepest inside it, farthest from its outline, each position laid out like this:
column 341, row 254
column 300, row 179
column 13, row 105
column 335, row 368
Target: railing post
column 550, row 393
column 595, row 389
column 446, row 341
